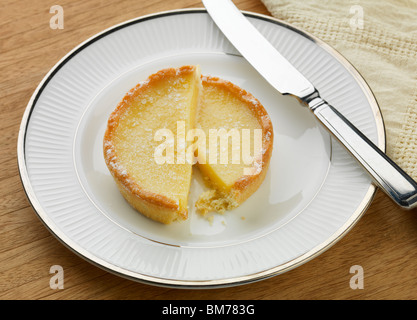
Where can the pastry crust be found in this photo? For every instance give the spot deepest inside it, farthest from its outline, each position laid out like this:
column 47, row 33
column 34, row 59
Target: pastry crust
column 246, row 185
column 155, row 206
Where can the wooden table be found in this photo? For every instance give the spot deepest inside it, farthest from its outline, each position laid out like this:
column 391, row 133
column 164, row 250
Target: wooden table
column 383, row 243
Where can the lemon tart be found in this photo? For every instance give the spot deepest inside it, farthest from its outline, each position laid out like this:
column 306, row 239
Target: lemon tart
column 158, row 191
column 226, row 108
column 151, row 111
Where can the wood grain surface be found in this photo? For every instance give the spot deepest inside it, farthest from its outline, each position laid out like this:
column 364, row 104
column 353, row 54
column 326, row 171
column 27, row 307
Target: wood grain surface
column 383, row 242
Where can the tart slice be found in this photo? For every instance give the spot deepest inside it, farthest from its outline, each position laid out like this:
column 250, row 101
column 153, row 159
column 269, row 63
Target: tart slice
column 238, row 118
column 156, row 189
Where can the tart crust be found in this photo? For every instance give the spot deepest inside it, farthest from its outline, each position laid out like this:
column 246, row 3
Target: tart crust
column 217, row 198
column 153, row 205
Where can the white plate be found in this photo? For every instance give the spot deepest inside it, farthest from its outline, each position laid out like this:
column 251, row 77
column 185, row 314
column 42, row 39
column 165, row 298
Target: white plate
column 313, row 194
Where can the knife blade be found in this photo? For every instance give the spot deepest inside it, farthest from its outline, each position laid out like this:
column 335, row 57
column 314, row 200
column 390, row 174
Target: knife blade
column 286, row 79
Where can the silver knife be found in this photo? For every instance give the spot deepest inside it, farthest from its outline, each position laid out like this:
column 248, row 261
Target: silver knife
column 285, row 78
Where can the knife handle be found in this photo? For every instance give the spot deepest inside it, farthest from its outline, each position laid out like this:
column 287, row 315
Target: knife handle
column 385, row 173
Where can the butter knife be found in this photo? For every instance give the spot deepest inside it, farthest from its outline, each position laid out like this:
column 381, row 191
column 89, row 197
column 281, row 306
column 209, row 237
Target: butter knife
column 285, row 78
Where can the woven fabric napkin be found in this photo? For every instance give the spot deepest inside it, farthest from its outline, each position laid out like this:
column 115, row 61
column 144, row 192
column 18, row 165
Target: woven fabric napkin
column 380, row 39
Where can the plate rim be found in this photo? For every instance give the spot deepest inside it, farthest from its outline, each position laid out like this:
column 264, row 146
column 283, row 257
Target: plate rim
column 174, row 283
